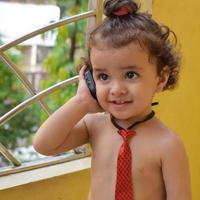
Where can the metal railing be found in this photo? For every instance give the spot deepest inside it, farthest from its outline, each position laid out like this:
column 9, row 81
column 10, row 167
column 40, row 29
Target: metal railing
column 95, row 11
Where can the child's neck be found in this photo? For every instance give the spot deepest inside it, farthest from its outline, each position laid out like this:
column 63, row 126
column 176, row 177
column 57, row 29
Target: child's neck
column 133, row 121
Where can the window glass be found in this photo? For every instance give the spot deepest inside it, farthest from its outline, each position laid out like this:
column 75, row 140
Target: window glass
column 45, row 60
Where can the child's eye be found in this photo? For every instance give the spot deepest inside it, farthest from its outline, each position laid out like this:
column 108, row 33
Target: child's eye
column 131, row 75
column 103, row 77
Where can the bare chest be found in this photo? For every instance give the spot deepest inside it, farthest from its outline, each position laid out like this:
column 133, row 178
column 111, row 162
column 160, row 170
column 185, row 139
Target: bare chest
column 146, row 168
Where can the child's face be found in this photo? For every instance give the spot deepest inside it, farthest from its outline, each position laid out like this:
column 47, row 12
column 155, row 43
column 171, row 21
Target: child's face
column 125, row 79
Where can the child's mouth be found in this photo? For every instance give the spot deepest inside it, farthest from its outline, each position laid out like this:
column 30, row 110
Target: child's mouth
column 120, row 102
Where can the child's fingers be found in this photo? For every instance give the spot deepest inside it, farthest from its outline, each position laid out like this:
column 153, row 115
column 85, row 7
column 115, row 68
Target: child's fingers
column 81, row 72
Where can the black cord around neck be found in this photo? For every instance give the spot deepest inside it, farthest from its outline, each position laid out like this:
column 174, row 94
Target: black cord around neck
column 148, row 117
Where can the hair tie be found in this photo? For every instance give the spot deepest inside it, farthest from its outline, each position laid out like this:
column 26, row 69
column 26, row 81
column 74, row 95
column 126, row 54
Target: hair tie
column 122, row 11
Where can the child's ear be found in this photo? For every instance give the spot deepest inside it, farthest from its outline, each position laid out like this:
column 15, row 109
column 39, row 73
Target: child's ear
column 163, row 78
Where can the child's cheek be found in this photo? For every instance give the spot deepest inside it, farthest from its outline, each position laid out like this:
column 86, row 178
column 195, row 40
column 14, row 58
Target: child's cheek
column 101, row 94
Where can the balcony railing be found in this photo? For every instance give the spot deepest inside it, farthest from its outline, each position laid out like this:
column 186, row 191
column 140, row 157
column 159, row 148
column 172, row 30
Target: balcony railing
column 94, row 16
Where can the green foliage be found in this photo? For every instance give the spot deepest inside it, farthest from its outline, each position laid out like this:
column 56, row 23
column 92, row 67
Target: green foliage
column 60, row 65
column 65, row 55
column 11, row 94
column 72, row 7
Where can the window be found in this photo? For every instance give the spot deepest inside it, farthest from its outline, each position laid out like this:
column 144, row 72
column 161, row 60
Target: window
column 28, row 66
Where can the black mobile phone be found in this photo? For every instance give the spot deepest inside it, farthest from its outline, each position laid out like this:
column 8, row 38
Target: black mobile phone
column 90, row 82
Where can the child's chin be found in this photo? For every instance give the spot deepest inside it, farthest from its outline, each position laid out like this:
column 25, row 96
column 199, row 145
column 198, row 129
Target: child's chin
column 120, row 116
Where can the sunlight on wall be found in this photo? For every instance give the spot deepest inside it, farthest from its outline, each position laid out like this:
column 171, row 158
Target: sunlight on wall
column 146, row 5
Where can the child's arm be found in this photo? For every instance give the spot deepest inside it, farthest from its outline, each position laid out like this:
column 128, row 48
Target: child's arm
column 65, row 129
column 175, row 170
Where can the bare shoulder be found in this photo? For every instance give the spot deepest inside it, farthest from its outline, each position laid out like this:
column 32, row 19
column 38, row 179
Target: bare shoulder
column 165, row 142
column 175, row 164
column 95, row 120
column 171, row 141
column 96, row 125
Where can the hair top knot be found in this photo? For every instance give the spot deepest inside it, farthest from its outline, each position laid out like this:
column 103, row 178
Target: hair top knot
column 113, row 8
column 122, row 11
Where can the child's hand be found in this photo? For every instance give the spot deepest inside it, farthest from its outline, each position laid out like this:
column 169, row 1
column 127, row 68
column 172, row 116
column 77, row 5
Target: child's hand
column 84, row 94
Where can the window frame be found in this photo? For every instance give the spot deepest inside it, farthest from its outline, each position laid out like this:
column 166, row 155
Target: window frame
column 95, row 9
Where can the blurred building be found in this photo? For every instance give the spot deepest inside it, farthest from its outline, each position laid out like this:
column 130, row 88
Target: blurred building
column 18, row 19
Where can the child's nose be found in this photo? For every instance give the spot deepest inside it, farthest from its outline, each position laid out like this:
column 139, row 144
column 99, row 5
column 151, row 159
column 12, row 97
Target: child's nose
column 118, row 88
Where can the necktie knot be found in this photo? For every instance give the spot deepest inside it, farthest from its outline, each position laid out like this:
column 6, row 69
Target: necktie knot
column 126, row 134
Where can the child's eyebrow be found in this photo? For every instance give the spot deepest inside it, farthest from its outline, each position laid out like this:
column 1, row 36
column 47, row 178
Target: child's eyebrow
column 133, row 67
column 99, row 69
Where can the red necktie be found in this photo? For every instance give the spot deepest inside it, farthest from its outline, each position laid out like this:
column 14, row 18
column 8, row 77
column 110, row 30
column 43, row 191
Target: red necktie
column 124, row 186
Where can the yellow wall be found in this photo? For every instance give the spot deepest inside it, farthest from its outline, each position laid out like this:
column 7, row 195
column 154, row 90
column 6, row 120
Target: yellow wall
column 74, row 186
column 180, row 108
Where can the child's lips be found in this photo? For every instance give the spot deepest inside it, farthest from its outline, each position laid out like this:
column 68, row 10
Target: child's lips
column 120, row 103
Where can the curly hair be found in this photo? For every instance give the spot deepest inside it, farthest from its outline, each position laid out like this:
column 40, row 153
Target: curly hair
column 120, row 30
